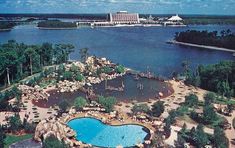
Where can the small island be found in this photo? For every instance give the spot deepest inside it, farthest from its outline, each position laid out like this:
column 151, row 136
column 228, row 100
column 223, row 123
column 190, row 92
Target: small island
column 6, row 26
column 56, row 24
column 225, row 40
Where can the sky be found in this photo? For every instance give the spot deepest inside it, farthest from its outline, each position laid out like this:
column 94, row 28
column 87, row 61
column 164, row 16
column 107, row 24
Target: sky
column 211, row 7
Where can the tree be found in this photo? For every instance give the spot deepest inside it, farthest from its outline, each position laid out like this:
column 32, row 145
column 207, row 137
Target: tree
column 15, row 123
column 68, row 75
column 53, row 142
column 79, row 77
column 167, row 127
column 220, row 140
column 201, row 138
column 223, row 88
column 191, row 100
column 84, row 54
column 158, row 108
column 2, row 136
column 63, row 105
column 209, row 114
column 140, row 108
column 185, row 65
column 120, row 69
column 108, row 103
column 180, row 141
column 80, row 102
column 30, row 52
column 209, row 98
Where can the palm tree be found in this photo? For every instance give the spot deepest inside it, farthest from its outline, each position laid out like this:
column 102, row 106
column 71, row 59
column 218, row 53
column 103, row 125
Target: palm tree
column 84, row 54
column 30, row 52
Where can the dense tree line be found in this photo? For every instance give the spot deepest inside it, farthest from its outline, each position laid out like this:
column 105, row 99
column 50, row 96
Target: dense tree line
column 19, row 60
column 7, row 25
column 56, row 24
column 219, row 78
column 205, row 21
column 225, row 39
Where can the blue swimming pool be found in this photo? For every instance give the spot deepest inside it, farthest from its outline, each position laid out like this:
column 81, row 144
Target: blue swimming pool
column 96, row 133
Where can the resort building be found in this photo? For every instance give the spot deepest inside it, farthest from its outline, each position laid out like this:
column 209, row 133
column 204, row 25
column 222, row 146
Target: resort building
column 174, row 20
column 123, row 17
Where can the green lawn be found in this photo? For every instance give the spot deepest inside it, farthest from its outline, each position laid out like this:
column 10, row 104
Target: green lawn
column 10, row 139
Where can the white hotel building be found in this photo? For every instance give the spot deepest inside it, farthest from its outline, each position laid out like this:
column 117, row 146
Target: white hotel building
column 123, row 17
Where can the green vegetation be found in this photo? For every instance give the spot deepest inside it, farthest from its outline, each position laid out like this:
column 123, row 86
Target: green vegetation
column 64, row 105
column 220, row 139
column 53, row 142
column 56, row 24
column 140, row 108
column 158, row 108
column 7, row 25
column 233, row 123
column 191, row 100
column 20, row 60
column 107, row 102
column 209, row 20
column 80, row 102
column 10, row 139
column 120, row 69
column 84, row 54
column 218, row 78
column 196, row 136
column 2, row 136
column 224, row 39
column 15, row 123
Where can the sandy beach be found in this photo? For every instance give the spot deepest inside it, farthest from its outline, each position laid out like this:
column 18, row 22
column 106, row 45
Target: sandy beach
column 201, row 46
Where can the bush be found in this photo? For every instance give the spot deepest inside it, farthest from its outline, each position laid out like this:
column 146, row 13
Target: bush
column 63, row 105
column 143, row 108
column 67, row 75
column 80, row 102
column 158, row 108
column 191, row 100
column 79, row 77
column 120, row 69
column 108, row 103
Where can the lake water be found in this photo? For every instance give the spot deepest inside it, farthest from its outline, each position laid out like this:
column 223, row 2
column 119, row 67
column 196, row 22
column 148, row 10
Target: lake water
column 134, row 47
column 131, row 91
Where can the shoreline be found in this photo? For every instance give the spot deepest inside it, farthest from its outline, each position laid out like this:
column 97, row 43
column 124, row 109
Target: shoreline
column 8, row 29
column 48, row 28
column 201, row 46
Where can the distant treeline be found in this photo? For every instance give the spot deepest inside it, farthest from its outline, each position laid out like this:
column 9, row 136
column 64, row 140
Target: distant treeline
column 205, row 21
column 224, row 39
column 56, row 24
column 7, row 25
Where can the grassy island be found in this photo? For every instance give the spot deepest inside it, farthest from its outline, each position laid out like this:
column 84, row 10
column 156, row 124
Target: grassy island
column 56, row 24
column 224, row 39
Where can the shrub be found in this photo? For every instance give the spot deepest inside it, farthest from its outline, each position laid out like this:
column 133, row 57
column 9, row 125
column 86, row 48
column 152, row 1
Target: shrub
column 158, row 108
column 140, row 108
column 108, row 103
column 80, row 102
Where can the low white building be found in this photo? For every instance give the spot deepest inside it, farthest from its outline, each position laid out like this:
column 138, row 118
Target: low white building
column 174, row 20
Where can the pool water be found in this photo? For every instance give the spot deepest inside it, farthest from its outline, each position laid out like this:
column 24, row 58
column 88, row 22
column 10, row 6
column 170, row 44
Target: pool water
column 94, row 132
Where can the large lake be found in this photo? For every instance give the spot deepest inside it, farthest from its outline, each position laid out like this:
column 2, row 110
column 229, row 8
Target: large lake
column 134, row 47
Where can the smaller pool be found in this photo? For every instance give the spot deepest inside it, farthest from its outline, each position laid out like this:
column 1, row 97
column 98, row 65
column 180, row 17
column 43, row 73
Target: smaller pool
column 96, row 133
